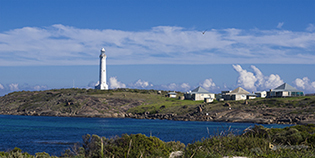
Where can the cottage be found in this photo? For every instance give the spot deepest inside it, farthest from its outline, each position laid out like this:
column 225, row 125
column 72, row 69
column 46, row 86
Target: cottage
column 199, row 94
column 237, row 94
column 284, row 90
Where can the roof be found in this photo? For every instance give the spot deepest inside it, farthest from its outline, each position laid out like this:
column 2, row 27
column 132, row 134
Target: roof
column 286, row 87
column 239, row 90
column 199, row 90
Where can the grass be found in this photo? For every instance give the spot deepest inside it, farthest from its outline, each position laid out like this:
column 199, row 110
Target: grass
column 163, row 105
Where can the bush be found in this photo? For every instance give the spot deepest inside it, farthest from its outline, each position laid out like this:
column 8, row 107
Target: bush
column 287, row 136
column 134, row 145
column 17, row 153
column 230, row 145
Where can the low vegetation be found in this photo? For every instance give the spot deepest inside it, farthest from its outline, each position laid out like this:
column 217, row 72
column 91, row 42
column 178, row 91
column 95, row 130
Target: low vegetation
column 293, row 141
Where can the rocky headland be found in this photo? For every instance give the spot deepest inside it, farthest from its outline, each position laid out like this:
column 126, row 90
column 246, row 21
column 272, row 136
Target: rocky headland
column 151, row 104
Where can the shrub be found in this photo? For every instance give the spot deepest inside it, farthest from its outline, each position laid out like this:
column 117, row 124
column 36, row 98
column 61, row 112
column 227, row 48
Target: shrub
column 134, row 145
column 227, row 145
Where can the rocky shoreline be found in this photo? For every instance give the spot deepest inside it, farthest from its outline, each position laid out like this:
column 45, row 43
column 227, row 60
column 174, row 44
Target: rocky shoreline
column 229, row 116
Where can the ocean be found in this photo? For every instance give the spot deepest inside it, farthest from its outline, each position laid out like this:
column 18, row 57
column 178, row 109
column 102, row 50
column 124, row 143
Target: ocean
column 54, row 135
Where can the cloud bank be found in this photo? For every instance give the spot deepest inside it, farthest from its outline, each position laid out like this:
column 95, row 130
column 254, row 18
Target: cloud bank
column 65, row 45
column 253, row 80
column 114, row 83
column 256, row 81
column 4, row 89
column 141, row 84
column 305, row 84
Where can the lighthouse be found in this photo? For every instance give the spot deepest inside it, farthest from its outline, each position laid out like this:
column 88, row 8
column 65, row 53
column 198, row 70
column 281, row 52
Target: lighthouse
column 102, row 82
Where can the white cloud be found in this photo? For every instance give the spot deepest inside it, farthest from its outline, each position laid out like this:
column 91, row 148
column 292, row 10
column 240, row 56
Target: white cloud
column 174, row 87
column 310, row 28
column 66, row 45
column 141, row 84
column 272, row 81
column 14, row 86
column 259, row 76
column 185, row 86
column 246, row 79
column 257, row 81
column 266, row 82
column 280, row 24
column 208, row 84
column 18, row 87
column 305, row 84
column 38, row 87
column 114, row 83
column 171, row 86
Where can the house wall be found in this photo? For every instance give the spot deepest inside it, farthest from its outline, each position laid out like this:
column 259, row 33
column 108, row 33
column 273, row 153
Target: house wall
column 172, row 95
column 239, row 97
column 187, row 96
column 202, row 96
column 271, row 94
column 261, row 94
column 278, row 94
column 226, row 97
column 297, row 94
column 251, row 97
column 285, row 94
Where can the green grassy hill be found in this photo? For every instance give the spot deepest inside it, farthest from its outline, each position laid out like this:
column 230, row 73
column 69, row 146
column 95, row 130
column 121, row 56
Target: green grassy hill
column 153, row 104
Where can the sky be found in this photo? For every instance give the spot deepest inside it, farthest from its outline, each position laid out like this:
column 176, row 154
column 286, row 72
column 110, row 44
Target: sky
column 157, row 44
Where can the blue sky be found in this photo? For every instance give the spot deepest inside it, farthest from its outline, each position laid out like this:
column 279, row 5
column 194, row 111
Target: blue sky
column 160, row 44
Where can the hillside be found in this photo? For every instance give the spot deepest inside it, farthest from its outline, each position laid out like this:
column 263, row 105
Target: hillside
column 148, row 104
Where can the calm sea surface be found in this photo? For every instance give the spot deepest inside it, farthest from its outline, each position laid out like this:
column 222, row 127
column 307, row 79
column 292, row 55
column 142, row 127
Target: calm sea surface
column 55, row 134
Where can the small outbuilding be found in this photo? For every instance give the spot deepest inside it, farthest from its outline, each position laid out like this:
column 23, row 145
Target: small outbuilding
column 251, row 96
column 171, row 95
column 261, row 94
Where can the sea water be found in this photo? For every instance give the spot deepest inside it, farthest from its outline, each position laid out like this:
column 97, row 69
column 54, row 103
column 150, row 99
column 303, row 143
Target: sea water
column 56, row 134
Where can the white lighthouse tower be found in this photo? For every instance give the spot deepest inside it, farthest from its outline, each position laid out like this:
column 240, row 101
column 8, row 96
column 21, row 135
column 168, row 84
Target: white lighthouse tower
column 102, row 82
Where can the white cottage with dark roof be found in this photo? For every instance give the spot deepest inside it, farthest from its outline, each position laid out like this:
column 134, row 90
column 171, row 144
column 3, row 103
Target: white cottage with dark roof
column 284, row 90
column 199, row 94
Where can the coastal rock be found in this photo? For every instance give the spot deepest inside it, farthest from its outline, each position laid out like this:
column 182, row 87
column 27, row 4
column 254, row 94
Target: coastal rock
column 227, row 104
column 176, row 154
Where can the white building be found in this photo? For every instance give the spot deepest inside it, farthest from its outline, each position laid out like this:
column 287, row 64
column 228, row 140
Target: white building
column 102, row 85
column 237, row 94
column 284, row 90
column 171, row 94
column 261, row 94
column 199, row 94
